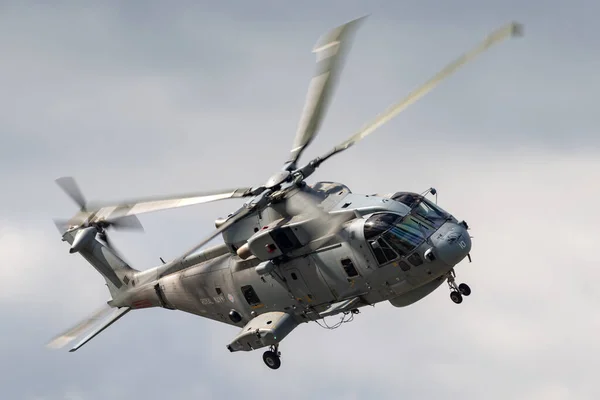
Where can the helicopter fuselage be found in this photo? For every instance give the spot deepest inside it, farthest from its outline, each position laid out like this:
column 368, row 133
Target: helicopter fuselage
column 375, row 257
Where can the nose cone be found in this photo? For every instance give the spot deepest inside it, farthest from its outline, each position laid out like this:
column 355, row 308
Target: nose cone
column 452, row 243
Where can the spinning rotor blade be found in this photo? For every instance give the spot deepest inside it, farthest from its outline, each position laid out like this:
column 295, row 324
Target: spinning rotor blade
column 70, row 187
column 62, row 225
column 116, row 213
column 111, row 246
column 510, row 30
column 232, row 220
column 328, row 224
column 330, row 50
column 98, row 321
column 71, row 334
column 129, row 222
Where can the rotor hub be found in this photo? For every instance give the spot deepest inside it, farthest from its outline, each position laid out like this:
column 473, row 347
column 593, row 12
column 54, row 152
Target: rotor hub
column 277, row 179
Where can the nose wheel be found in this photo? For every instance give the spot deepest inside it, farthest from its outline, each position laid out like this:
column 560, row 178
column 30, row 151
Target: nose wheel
column 457, row 291
column 272, row 357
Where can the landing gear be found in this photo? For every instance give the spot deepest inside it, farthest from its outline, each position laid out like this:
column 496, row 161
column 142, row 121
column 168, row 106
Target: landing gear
column 456, row 297
column 271, row 357
column 457, row 291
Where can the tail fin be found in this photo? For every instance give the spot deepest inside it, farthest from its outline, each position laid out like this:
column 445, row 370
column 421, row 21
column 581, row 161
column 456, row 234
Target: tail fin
column 117, row 273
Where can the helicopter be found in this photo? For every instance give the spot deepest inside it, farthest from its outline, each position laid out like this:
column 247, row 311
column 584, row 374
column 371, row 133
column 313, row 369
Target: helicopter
column 293, row 253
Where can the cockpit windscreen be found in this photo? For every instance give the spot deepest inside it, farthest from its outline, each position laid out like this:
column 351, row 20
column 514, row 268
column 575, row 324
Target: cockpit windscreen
column 423, row 208
column 392, row 235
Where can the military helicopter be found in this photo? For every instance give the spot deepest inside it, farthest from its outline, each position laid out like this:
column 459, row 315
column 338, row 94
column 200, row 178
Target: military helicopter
column 294, row 252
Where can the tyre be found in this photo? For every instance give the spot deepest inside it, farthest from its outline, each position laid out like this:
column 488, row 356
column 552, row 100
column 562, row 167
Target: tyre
column 456, row 297
column 271, row 359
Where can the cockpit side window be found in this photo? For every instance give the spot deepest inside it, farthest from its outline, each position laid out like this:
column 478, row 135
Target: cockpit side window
column 383, row 252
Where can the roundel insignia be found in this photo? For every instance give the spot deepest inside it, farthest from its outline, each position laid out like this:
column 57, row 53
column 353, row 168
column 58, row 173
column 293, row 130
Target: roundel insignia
column 230, row 297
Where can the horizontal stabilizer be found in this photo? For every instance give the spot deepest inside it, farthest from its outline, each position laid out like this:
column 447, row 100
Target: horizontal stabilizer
column 100, row 320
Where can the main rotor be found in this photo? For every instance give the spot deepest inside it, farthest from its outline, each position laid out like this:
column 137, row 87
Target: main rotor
column 330, row 51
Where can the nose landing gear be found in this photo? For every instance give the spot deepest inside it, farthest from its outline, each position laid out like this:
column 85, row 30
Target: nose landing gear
column 271, row 357
column 457, row 291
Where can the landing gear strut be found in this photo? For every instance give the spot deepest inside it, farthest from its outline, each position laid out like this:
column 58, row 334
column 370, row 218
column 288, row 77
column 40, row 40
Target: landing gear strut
column 271, row 357
column 457, row 291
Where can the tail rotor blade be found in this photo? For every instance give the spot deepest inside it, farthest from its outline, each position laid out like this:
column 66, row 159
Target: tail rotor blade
column 112, row 247
column 70, row 187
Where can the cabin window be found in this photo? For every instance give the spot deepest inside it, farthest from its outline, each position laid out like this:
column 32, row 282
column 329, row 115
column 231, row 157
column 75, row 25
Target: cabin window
column 250, row 295
column 349, row 268
column 218, row 290
column 294, row 276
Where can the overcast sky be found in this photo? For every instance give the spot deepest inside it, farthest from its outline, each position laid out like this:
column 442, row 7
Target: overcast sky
column 141, row 98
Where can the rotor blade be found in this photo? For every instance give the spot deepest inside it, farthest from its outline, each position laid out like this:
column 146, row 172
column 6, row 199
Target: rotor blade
column 116, row 315
column 129, row 222
column 232, row 220
column 512, row 29
column 328, row 224
column 138, row 206
column 61, row 225
column 330, row 50
column 71, row 334
column 70, row 187
column 108, row 242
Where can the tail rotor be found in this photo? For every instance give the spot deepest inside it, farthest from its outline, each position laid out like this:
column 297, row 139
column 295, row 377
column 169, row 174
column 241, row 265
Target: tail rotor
column 85, row 224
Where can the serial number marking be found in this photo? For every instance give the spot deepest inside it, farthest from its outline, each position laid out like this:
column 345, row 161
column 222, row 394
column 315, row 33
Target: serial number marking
column 214, row 300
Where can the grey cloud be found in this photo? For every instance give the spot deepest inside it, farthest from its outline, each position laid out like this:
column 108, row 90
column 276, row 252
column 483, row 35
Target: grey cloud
column 514, row 338
column 183, row 73
column 136, row 100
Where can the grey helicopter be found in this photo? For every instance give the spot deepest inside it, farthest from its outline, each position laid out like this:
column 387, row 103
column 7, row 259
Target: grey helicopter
column 294, row 252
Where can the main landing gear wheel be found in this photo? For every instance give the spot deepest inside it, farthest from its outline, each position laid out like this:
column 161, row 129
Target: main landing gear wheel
column 456, row 297
column 457, row 291
column 464, row 289
column 271, row 358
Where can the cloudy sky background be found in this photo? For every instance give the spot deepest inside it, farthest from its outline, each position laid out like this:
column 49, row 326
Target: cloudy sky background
column 141, row 98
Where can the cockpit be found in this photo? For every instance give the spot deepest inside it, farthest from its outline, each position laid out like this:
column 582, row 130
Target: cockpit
column 422, row 207
column 394, row 236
